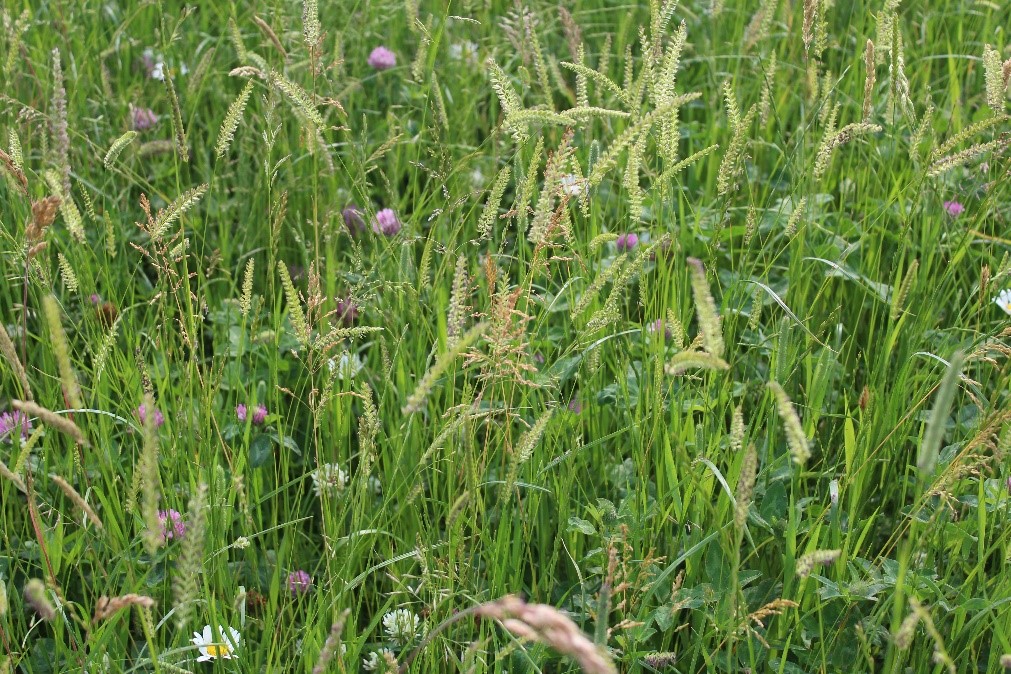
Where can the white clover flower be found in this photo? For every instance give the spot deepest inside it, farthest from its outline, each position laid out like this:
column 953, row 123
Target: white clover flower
column 1003, row 300
column 477, row 178
column 376, row 660
column 329, row 478
column 464, row 51
column 158, row 71
column 402, row 626
column 572, row 185
column 222, row 647
column 347, row 365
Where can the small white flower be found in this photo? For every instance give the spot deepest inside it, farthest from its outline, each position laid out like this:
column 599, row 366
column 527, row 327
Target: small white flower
column 158, row 71
column 402, row 626
column 477, row 178
column 376, row 660
column 227, row 642
column 1003, row 300
column 572, row 185
column 464, row 51
column 375, row 486
column 348, row 365
column 241, row 543
column 329, row 478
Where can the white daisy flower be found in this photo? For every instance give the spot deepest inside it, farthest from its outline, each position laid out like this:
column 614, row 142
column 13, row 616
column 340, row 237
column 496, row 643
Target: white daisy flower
column 402, row 626
column 223, row 647
column 329, row 478
column 1003, row 300
column 376, row 662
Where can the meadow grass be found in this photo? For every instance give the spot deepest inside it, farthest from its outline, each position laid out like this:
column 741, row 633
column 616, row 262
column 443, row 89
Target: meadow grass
column 601, row 336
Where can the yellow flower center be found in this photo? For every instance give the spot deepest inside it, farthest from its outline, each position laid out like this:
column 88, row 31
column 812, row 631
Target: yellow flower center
column 218, row 650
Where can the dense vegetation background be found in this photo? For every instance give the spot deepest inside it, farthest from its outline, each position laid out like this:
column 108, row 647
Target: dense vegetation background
column 334, row 325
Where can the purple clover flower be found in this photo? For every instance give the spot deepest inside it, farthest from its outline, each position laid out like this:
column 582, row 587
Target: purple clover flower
column 259, row 413
column 386, row 223
column 13, row 421
column 158, row 419
column 626, row 242
column 382, row 58
column 299, row 582
column 575, row 406
column 353, row 219
column 954, row 208
column 142, row 118
column 172, row 525
column 347, row 312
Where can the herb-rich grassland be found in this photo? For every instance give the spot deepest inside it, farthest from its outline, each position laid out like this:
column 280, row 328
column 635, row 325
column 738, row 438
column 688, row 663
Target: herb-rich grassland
column 506, row 335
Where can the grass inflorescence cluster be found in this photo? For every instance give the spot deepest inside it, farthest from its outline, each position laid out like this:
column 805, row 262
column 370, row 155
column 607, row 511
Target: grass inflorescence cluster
column 505, row 336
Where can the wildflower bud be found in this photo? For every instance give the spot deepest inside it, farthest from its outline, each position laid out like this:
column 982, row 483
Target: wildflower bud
column 353, row 219
column 106, row 313
column 35, row 596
